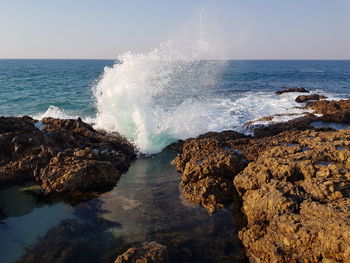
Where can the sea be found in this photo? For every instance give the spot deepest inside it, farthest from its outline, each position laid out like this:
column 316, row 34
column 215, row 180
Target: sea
column 153, row 100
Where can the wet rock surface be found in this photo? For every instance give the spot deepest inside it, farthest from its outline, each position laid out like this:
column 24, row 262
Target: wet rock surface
column 147, row 252
column 61, row 155
column 304, row 98
column 287, row 90
column 297, row 124
column 332, row 112
column 270, row 118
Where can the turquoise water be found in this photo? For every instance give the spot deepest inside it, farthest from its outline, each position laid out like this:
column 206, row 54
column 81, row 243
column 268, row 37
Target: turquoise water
column 29, row 87
column 37, row 84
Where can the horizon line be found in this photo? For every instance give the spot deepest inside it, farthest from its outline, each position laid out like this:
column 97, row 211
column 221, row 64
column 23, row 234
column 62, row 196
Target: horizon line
column 232, row 59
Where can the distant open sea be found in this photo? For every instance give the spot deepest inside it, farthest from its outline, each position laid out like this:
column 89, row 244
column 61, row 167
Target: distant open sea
column 154, row 103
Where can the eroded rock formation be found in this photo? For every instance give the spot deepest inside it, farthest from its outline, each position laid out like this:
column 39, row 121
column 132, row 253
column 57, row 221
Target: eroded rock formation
column 296, row 198
column 208, row 166
column 61, row 155
column 330, row 106
column 294, row 185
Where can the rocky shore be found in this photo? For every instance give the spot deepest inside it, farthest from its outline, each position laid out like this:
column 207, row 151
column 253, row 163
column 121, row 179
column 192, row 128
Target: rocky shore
column 61, row 155
column 291, row 179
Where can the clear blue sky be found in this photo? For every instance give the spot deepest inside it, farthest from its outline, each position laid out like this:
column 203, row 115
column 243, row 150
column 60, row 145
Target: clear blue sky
column 252, row 29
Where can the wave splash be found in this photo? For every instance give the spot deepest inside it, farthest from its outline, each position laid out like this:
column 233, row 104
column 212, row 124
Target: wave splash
column 156, row 97
column 55, row 112
column 175, row 92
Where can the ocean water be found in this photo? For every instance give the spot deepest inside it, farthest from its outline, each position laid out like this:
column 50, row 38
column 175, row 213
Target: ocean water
column 155, row 98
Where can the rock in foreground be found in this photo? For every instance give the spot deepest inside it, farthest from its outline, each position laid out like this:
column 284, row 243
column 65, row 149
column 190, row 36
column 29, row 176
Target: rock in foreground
column 148, row 252
column 208, row 166
column 296, row 197
column 295, row 190
column 61, row 155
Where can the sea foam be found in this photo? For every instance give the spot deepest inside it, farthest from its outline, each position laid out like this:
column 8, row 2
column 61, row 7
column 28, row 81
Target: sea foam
column 170, row 93
column 55, row 112
column 156, row 97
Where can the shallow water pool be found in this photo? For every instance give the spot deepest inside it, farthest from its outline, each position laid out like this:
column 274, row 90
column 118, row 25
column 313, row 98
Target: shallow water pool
column 146, row 205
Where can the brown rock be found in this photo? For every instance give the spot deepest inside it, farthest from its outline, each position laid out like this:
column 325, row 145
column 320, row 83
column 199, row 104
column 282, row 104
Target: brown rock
column 300, row 124
column 21, row 147
column 223, row 136
column 208, row 167
column 304, row 98
column 65, row 155
column 295, row 191
column 296, row 198
column 330, row 106
column 69, row 172
column 148, row 252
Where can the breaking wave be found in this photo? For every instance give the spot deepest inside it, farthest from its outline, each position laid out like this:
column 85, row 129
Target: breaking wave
column 173, row 92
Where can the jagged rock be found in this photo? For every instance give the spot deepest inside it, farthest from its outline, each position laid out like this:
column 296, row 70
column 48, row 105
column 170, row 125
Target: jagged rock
column 270, row 118
column 61, row 155
column 296, row 197
column 334, row 111
column 330, row 106
column 304, row 98
column 70, row 134
column 300, row 124
column 286, row 90
column 295, row 190
column 70, row 171
column 148, row 252
column 208, row 166
column 223, row 136
column 21, row 149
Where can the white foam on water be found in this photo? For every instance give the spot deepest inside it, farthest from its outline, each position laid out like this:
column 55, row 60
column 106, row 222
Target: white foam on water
column 156, row 97
column 171, row 92
column 153, row 101
column 55, row 112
